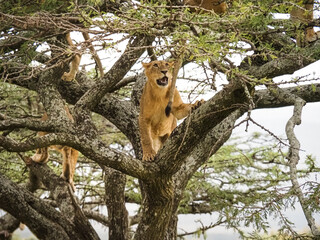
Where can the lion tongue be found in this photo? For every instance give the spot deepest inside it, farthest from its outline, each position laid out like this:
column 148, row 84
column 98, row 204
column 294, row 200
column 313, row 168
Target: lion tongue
column 163, row 80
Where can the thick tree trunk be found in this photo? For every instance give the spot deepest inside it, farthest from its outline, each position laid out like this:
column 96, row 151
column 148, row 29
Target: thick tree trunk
column 172, row 228
column 157, row 210
column 115, row 182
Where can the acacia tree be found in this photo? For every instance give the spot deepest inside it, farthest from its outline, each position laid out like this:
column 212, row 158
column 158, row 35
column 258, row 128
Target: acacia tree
column 35, row 54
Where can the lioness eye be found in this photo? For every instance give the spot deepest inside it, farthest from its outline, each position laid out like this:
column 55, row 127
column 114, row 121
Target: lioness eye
column 167, row 64
column 155, row 65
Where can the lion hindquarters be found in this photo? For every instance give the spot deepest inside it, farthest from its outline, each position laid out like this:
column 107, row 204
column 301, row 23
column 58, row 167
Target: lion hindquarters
column 41, row 155
column 70, row 157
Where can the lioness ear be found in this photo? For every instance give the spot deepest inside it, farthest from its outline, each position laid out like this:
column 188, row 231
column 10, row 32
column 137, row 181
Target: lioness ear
column 146, row 65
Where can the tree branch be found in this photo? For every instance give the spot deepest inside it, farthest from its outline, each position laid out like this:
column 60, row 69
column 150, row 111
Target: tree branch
column 210, row 143
column 63, row 195
column 284, row 65
column 44, row 220
column 267, row 99
column 8, row 224
column 97, row 217
column 95, row 150
column 293, row 156
column 188, row 134
column 29, row 123
column 92, row 97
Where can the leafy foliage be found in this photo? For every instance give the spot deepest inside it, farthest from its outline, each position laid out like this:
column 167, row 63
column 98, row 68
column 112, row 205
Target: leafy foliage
column 246, row 182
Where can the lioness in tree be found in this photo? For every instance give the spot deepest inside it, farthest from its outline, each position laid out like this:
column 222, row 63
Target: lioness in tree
column 70, row 155
column 155, row 126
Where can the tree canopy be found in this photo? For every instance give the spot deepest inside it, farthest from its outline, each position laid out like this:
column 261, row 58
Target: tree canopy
column 195, row 171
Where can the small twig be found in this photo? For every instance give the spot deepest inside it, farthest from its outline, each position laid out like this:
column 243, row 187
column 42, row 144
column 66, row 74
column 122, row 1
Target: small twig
column 268, row 131
column 203, row 228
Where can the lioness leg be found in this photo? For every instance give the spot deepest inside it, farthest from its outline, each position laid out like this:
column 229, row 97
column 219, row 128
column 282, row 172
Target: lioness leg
column 74, row 65
column 70, row 157
column 184, row 109
column 146, row 139
column 42, row 154
column 157, row 143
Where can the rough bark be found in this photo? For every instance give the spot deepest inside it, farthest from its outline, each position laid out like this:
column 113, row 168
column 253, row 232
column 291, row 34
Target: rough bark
column 8, row 223
column 157, row 209
column 187, row 135
column 45, row 221
column 266, row 99
column 115, row 183
column 63, row 195
column 200, row 154
column 163, row 180
column 287, row 64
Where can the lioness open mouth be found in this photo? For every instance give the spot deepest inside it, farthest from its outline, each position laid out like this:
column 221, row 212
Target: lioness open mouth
column 162, row 81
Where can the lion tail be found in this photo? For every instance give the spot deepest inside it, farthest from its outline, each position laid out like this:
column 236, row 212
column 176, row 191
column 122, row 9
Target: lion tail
column 168, row 108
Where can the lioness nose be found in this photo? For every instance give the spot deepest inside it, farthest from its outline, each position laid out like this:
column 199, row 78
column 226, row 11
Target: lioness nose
column 164, row 72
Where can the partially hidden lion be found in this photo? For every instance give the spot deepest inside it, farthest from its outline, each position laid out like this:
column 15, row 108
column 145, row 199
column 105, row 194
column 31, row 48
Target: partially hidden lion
column 75, row 62
column 70, row 155
column 303, row 13
column 74, row 65
column 155, row 127
column 218, row 6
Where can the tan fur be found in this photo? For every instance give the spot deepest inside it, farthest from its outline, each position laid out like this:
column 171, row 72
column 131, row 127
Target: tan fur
column 70, row 155
column 74, row 65
column 155, row 126
column 304, row 14
column 218, row 6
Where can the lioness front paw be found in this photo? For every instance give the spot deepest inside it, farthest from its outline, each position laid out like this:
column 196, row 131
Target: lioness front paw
column 67, row 77
column 197, row 104
column 149, row 156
